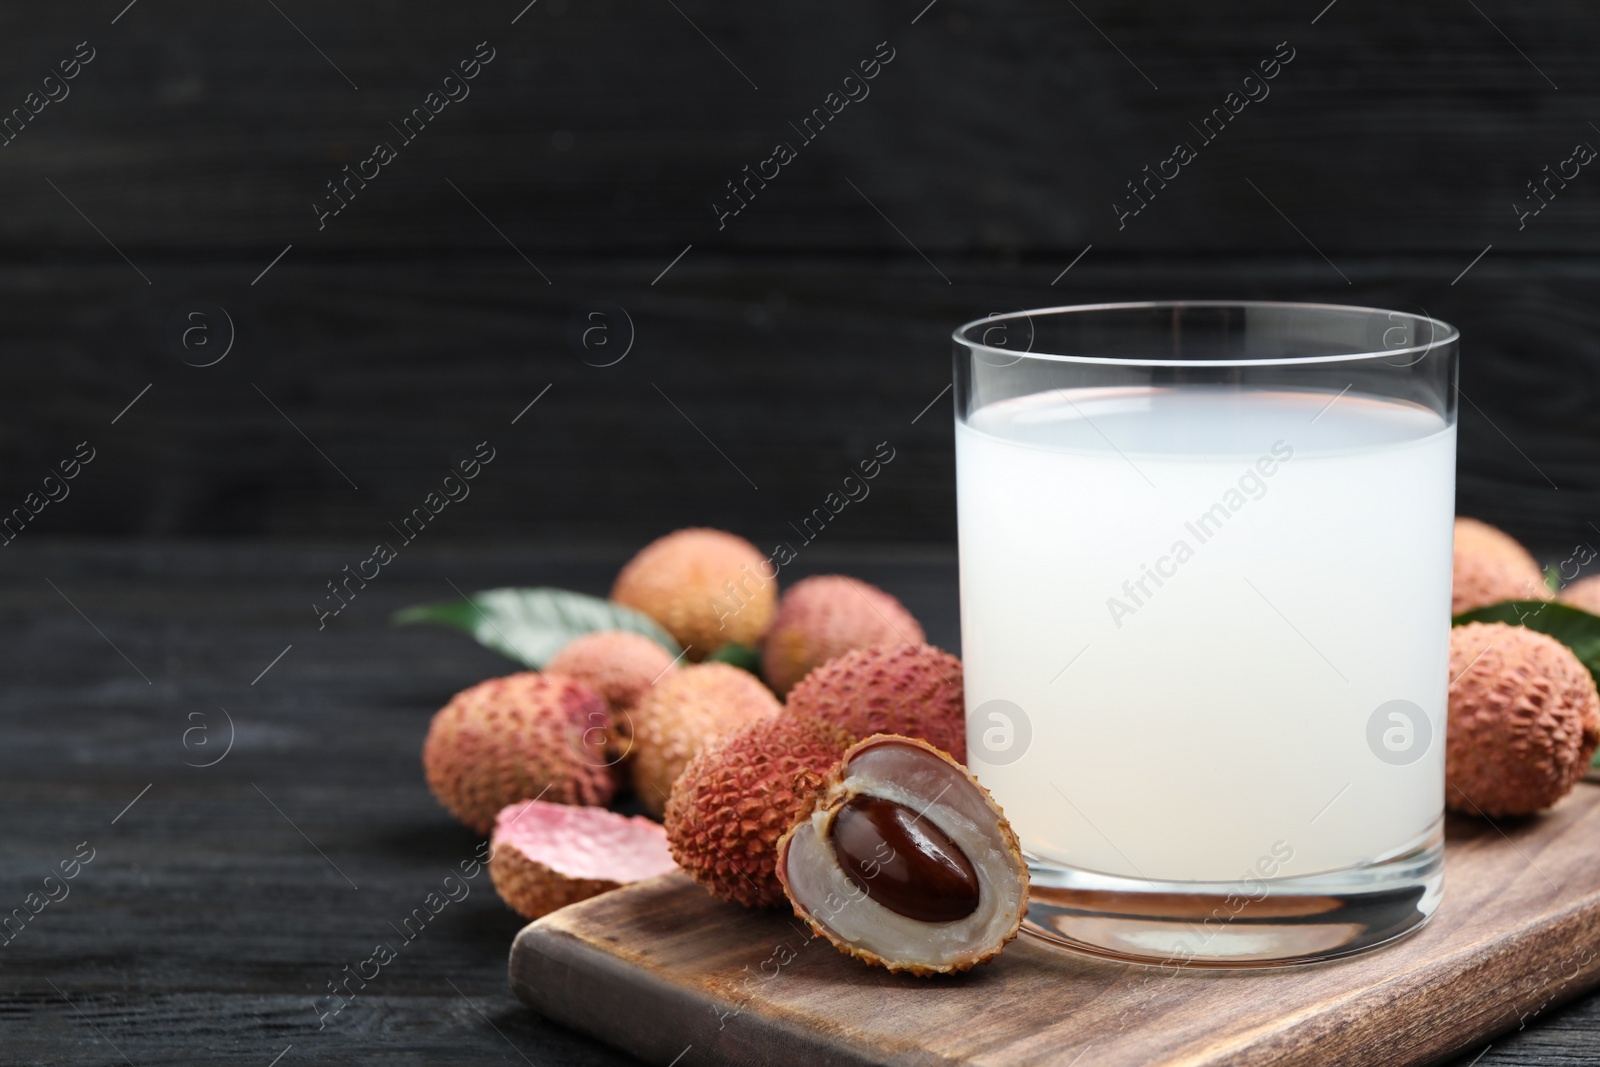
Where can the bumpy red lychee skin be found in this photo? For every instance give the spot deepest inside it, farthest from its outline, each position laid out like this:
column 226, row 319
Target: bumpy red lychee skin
column 824, row 617
column 621, row 667
column 545, row 856
column 1491, row 566
column 705, row 587
column 682, row 714
column 515, row 738
column 909, row 689
column 1524, row 720
column 1584, row 594
column 740, row 795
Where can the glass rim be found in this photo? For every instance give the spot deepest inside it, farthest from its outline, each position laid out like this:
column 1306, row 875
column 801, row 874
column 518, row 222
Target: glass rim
column 1449, row 334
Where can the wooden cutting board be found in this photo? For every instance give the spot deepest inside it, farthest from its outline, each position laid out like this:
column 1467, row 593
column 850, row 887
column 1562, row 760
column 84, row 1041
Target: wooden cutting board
column 675, row 977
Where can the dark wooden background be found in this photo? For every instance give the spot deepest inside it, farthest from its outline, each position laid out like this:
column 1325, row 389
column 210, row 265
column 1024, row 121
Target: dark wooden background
column 770, row 357
column 805, row 331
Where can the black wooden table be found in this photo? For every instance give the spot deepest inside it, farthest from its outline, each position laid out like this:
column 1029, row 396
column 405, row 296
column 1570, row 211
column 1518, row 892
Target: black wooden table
column 212, row 906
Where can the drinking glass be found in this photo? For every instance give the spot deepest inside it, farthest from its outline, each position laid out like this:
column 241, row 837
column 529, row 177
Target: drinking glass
column 1205, row 619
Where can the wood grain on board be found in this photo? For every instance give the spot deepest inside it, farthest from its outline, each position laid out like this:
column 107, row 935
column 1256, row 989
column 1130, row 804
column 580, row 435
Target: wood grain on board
column 660, row 967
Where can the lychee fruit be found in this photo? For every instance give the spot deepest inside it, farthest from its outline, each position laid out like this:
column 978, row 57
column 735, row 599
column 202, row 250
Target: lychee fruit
column 681, row 714
column 705, row 587
column 620, row 666
column 908, row 689
column 1583, row 594
column 906, row 862
column 1491, row 566
column 824, row 617
column 545, row 856
column 520, row 737
column 1524, row 720
column 740, row 795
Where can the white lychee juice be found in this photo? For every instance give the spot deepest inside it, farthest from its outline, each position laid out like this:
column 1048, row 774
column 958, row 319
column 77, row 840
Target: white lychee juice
column 1206, row 630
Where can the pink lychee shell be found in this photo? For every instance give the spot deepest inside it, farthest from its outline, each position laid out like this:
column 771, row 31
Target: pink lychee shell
column 545, row 856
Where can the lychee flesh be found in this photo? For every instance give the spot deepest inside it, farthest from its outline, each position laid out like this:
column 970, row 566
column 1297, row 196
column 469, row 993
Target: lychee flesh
column 684, row 712
column 920, row 899
column 740, row 795
column 1524, row 720
column 515, row 738
column 621, row 667
column 822, row 618
column 909, row 689
column 705, row 587
column 1491, row 566
column 545, row 856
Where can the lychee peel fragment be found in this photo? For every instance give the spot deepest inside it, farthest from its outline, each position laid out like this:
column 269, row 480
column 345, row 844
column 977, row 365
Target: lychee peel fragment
column 545, row 856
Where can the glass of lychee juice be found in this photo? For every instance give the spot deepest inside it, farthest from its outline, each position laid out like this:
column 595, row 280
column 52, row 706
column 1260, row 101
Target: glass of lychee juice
column 1205, row 619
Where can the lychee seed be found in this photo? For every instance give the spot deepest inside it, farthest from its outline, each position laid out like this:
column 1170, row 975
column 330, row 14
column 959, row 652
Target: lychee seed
column 905, row 861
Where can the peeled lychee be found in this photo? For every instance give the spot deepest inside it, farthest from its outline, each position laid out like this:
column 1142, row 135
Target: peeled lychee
column 913, row 690
column 1584, row 594
column 621, row 667
column 681, row 714
column 545, row 856
column 906, row 862
column 705, row 587
column 520, row 737
column 1524, row 720
column 1491, row 566
column 824, row 617
column 740, row 795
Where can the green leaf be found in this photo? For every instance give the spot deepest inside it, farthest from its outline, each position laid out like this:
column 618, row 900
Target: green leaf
column 531, row 625
column 742, row 656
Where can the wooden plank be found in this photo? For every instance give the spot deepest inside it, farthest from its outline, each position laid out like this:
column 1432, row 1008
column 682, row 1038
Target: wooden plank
column 1519, row 929
column 207, row 929
column 615, row 126
column 795, row 368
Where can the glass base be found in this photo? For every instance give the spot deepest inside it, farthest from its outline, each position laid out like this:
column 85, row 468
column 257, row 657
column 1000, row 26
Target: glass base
column 1281, row 922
